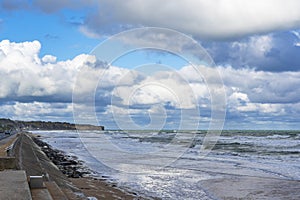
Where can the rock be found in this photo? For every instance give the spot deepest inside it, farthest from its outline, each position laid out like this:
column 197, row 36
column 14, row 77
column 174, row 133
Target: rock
column 68, row 165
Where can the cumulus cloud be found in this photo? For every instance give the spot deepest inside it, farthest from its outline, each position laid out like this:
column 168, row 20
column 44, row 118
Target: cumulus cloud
column 26, row 76
column 37, row 111
column 252, row 96
column 205, row 19
column 263, row 87
column 49, row 59
column 34, row 86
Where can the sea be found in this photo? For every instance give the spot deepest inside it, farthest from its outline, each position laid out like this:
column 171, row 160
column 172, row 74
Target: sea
column 171, row 164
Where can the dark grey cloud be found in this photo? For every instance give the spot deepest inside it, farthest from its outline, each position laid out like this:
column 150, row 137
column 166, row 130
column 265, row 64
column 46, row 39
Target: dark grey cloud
column 257, row 42
column 217, row 20
column 284, row 55
column 203, row 19
column 277, row 52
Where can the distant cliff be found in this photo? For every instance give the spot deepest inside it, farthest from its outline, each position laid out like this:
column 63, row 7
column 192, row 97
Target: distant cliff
column 7, row 125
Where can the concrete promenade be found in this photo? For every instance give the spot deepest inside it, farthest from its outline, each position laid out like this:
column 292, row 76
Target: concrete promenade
column 13, row 185
column 14, row 176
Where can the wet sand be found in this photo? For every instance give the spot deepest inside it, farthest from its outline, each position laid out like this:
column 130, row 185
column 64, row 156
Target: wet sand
column 101, row 190
column 234, row 187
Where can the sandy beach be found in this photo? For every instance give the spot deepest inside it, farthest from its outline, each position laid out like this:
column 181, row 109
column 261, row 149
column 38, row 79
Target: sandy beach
column 102, row 190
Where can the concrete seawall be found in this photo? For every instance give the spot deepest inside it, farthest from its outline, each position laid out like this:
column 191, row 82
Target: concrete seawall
column 7, row 163
column 7, row 160
column 34, row 162
column 30, row 160
column 14, row 186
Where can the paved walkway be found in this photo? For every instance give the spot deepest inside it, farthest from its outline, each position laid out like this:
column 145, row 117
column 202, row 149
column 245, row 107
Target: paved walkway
column 36, row 163
column 13, row 185
column 7, row 139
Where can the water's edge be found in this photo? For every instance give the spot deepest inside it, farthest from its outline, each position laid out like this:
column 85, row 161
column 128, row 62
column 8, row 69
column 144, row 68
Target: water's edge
column 268, row 155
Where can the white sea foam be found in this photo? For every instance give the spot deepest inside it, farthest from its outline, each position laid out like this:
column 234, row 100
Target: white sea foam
column 251, row 154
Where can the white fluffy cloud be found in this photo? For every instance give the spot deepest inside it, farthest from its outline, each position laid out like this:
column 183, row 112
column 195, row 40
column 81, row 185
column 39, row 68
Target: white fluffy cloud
column 252, row 96
column 26, row 75
column 37, row 111
column 49, row 59
column 201, row 18
column 263, row 87
column 37, row 87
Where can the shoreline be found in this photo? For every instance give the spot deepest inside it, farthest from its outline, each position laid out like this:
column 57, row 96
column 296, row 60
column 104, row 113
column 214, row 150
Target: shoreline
column 82, row 177
column 78, row 185
column 68, row 165
column 221, row 185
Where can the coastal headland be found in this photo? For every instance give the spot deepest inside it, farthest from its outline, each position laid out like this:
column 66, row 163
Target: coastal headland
column 13, row 126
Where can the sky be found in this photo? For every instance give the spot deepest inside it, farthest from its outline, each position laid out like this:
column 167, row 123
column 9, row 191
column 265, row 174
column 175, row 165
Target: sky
column 51, row 67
